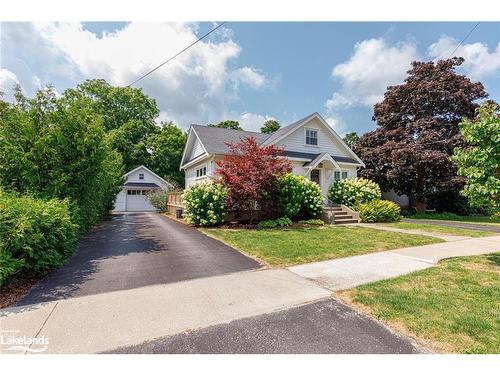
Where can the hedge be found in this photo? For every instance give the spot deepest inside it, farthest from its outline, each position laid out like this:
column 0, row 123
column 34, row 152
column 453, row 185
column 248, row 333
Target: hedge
column 35, row 235
column 379, row 211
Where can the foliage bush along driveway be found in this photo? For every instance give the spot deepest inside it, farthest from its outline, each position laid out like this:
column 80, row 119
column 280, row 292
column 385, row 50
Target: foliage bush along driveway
column 284, row 247
column 440, row 229
column 204, row 203
column 35, row 235
column 453, row 306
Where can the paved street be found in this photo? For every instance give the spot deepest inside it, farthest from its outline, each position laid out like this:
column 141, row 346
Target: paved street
column 322, row 327
column 145, row 283
column 134, row 250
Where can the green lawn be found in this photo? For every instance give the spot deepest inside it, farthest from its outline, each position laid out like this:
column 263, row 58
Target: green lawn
column 439, row 229
column 284, row 247
column 453, row 307
column 453, row 217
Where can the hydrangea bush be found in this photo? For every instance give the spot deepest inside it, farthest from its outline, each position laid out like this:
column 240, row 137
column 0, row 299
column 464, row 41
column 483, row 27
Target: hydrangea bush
column 299, row 197
column 379, row 211
column 354, row 191
column 204, row 203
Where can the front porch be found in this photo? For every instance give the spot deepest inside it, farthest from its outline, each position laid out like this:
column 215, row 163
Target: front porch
column 323, row 170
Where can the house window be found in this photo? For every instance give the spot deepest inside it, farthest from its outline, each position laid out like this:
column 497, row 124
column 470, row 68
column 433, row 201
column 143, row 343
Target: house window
column 201, row 172
column 311, row 137
column 314, row 176
column 141, row 176
column 338, row 175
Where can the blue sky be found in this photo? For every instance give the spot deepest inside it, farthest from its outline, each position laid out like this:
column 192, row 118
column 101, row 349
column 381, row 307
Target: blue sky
column 247, row 71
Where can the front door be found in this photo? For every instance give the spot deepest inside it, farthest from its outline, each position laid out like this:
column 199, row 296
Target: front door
column 315, row 176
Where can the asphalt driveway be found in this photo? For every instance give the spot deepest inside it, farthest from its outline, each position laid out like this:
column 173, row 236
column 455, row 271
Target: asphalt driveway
column 138, row 249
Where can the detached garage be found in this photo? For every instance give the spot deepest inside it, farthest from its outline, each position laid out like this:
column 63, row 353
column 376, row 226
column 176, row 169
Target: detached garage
column 137, row 184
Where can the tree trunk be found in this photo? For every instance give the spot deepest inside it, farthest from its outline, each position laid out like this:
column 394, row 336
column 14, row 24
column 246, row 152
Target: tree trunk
column 419, row 192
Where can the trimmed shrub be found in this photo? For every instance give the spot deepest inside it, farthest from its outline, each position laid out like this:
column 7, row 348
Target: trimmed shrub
column 158, row 199
column 354, row 191
column 299, row 197
column 35, row 235
column 204, row 203
column 312, row 222
column 379, row 211
column 280, row 222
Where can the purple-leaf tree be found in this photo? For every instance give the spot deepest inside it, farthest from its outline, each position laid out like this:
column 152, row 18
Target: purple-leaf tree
column 418, row 130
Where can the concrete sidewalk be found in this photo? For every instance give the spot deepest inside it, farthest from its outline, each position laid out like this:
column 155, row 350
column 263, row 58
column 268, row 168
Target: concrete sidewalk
column 107, row 321
column 346, row 273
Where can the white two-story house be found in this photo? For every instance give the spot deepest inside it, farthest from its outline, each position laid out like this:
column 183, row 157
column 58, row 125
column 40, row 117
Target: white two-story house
column 315, row 150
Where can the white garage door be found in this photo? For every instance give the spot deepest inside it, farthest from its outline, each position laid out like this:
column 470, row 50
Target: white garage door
column 137, row 200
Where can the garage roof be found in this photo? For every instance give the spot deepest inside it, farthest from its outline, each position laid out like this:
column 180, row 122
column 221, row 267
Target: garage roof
column 141, row 184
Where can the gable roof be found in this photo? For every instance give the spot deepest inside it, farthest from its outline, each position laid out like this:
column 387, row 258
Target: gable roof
column 214, row 140
column 282, row 132
column 150, row 171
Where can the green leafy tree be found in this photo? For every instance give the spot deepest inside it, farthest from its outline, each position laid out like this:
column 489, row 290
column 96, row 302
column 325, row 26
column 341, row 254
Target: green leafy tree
column 228, row 124
column 270, row 126
column 128, row 115
column 351, row 139
column 166, row 147
column 57, row 148
column 479, row 161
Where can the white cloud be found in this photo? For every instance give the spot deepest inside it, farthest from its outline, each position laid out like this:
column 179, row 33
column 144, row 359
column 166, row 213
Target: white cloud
column 195, row 87
column 337, row 124
column 372, row 67
column 479, row 61
column 7, row 80
column 250, row 121
column 338, row 101
column 250, row 76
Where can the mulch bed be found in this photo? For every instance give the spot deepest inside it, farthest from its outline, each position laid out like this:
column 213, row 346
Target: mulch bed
column 10, row 294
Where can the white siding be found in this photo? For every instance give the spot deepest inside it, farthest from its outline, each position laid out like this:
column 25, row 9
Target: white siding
column 190, row 173
column 326, row 142
column 197, row 150
column 148, row 177
column 121, row 201
column 401, row 200
column 327, row 173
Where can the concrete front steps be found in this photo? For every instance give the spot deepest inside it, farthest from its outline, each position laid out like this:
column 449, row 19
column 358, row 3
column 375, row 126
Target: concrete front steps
column 340, row 214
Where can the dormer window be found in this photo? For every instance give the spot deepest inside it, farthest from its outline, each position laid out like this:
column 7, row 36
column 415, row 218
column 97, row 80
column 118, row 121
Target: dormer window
column 311, row 137
column 141, row 176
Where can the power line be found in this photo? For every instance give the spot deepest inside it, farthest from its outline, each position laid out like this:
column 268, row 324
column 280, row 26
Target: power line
column 174, row 56
column 464, row 39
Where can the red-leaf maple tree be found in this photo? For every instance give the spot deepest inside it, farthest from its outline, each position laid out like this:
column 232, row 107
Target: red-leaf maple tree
column 250, row 172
